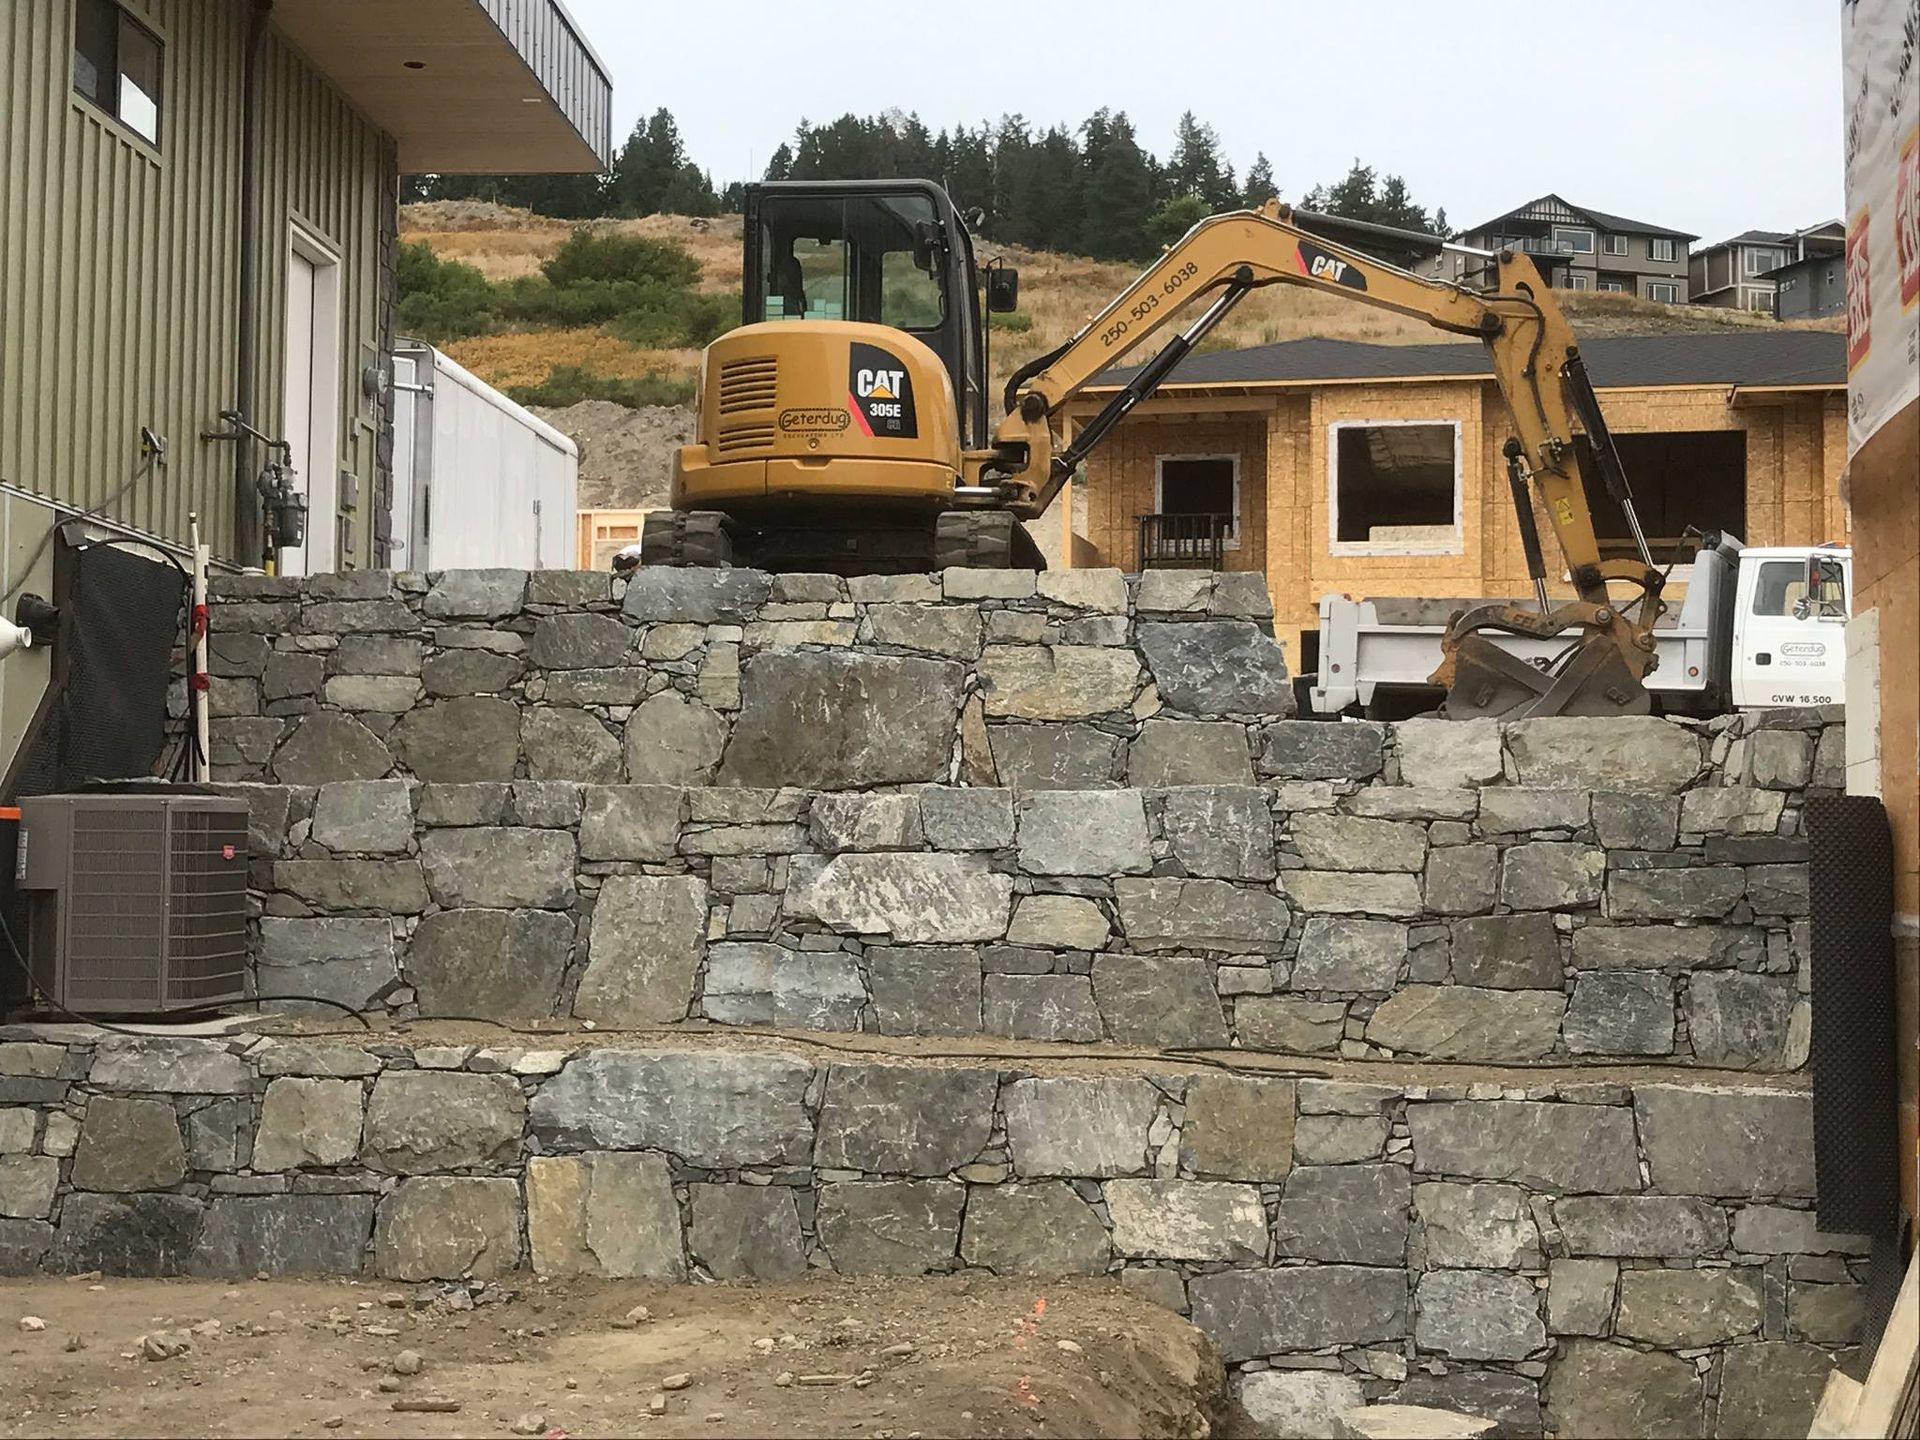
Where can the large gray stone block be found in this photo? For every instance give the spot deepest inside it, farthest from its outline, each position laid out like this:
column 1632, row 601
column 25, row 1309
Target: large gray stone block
column 473, row 737
column 630, row 822
column 1188, row 1220
column 1560, row 1148
column 695, row 596
column 1448, row 754
column 949, row 630
column 1477, row 1226
column 28, row 1184
column 1352, row 1213
column 1176, row 914
column 1239, row 1128
column 891, row 1227
column 1715, row 1140
column 419, row 1121
column 1317, row 750
column 1189, row 752
column 1652, row 1227
column 1040, row 1007
column 714, row 1109
column 394, row 885
column 917, row 899
column 1058, row 682
column 1059, row 922
column 1507, row 952
column 246, row 1235
column 754, row 983
column 1635, row 820
column 1345, row 842
column 643, row 949
column 903, row 1120
column 1224, row 831
column 476, row 595
column 1617, row 752
column 128, row 1144
column 443, row 1227
column 468, row 672
column 372, row 817
column 505, row 964
column 1297, row 1404
column 1334, row 892
column 1460, row 1022
column 832, row 721
column 140, row 1236
column 866, row 822
column 1620, row 1012
column 1682, row 1309
column 746, row 1232
column 607, row 1213
column 1740, row 1021
column 1664, row 947
column 1478, row 1315
column 1083, row 832
column 578, row 642
column 1056, row 757
column 1217, row 667
column 1511, row 1401
column 1288, row 1026
column 967, row 818
column 1255, row 1313
column 500, row 867
column 1075, row 1127
column 924, row 990
column 672, row 740
column 1039, row 1229
column 327, row 746
column 1551, row 875
column 562, row 743
column 1159, row 1001
column 340, row 958
column 1513, row 809
column 308, row 1123
column 1349, row 955
column 169, row 1066
column 1462, row 879
column 1771, row 1388
column 1701, row 892
column 1597, row 1391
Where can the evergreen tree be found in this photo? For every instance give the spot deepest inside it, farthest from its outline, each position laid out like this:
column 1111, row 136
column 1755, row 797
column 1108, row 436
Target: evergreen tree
column 1174, row 218
column 1195, row 168
column 1260, row 188
column 1120, row 187
column 647, row 166
column 1361, row 194
column 780, row 163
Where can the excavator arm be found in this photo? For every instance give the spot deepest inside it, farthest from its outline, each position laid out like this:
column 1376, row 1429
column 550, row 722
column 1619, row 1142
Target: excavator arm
column 1537, row 366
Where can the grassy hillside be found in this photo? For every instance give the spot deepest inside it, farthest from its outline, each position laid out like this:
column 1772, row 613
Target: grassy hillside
column 1058, row 293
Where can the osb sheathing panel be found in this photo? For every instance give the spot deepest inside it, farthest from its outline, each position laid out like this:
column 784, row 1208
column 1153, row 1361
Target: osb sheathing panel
column 1795, row 450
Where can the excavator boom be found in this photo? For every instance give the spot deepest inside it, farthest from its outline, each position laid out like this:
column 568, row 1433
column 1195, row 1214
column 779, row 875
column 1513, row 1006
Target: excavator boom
column 1537, row 366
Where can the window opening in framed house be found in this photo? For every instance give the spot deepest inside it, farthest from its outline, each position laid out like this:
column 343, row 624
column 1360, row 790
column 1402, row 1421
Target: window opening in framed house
column 116, row 66
column 1613, row 244
column 1395, row 487
column 1679, row 479
column 1202, row 492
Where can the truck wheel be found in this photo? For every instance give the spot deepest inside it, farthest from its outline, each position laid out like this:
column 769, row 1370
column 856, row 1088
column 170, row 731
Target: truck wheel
column 687, row 538
column 974, row 540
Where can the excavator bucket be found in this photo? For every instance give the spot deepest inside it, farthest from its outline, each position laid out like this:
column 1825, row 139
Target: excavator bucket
column 1490, row 683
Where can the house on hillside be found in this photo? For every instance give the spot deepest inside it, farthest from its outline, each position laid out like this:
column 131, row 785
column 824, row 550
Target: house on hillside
column 198, row 218
column 1334, row 466
column 1581, row 249
column 1743, row 273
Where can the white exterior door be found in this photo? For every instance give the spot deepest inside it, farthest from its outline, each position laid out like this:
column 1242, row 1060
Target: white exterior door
column 311, row 398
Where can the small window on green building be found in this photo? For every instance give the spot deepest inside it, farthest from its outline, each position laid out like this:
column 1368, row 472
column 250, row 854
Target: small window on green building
column 116, row 66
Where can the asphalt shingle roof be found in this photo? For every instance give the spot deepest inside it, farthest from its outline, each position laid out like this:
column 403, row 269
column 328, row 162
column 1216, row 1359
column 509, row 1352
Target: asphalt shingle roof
column 1599, row 217
column 1758, row 357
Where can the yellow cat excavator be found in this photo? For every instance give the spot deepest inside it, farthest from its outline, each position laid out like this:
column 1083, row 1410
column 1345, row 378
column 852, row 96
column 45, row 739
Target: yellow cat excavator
column 843, row 427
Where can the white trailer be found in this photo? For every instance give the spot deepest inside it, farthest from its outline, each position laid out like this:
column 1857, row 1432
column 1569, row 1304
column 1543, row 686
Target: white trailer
column 478, row 481
column 1759, row 627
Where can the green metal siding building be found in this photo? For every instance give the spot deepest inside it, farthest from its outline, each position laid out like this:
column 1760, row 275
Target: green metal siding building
column 137, row 139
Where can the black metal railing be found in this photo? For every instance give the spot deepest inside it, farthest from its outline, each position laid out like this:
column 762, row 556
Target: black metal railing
column 1188, row 542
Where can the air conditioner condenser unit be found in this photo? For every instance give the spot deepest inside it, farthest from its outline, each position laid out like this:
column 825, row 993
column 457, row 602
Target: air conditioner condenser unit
column 137, row 902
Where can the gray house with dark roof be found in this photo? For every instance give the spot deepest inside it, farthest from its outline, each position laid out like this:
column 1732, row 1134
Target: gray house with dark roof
column 1744, row 272
column 1579, row 248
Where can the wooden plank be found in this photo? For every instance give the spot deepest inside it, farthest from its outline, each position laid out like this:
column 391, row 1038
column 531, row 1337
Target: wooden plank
column 1896, row 1366
column 1833, row 1416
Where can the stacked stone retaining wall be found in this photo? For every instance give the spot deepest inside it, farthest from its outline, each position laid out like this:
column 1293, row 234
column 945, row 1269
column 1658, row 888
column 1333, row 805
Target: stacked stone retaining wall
column 1603, row 1257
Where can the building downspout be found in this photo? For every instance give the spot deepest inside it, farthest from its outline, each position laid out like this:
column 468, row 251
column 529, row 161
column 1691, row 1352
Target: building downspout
column 246, row 507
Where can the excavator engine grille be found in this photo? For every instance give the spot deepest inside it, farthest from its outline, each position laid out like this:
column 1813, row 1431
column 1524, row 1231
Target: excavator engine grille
column 747, row 391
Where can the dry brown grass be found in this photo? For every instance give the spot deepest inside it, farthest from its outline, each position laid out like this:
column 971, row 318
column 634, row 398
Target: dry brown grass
column 1058, row 293
column 525, row 357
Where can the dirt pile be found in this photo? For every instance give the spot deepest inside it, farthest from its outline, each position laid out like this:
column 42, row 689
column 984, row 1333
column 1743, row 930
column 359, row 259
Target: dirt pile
column 882, row 1358
column 626, row 456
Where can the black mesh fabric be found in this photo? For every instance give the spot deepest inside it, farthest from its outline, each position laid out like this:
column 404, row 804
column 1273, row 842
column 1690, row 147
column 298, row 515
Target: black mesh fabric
column 105, row 714
column 1854, row 1119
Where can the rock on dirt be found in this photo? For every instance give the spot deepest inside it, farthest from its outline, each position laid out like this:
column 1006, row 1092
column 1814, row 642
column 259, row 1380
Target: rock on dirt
column 626, row 455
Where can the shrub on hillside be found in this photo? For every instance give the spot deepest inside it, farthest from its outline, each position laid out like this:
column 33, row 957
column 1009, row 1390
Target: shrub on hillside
column 587, row 256
column 570, row 384
column 441, row 300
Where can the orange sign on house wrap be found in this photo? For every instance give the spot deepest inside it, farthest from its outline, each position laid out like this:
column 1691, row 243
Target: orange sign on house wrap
column 1859, row 291
column 1906, row 220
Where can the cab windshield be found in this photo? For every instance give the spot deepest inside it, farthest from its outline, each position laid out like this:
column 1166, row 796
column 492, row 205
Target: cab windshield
column 871, row 258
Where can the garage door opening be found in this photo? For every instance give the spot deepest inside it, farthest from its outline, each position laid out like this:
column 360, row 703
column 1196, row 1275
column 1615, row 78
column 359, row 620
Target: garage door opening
column 1682, row 478
column 1396, row 488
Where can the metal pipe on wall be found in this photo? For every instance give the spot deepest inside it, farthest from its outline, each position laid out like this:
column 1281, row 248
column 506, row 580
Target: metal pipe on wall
column 246, row 509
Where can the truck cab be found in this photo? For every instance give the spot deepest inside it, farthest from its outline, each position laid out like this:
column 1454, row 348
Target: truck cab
column 1790, row 626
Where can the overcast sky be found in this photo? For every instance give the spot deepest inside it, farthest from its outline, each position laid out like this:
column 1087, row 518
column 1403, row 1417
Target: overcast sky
column 1711, row 116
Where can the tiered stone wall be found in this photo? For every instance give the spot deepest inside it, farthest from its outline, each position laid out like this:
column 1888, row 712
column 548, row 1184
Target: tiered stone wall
column 1599, row 1257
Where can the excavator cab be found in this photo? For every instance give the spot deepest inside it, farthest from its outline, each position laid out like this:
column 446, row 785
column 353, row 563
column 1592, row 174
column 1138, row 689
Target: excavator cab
column 832, row 421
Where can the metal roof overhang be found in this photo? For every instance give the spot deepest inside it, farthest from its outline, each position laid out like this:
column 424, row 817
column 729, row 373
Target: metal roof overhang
column 464, row 86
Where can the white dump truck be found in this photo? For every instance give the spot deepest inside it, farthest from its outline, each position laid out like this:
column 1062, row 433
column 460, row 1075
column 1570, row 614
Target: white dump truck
column 1759, row 626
